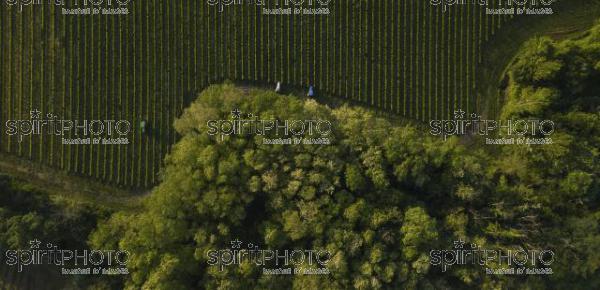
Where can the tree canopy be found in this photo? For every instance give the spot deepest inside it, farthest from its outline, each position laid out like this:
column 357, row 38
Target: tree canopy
column 382, row 195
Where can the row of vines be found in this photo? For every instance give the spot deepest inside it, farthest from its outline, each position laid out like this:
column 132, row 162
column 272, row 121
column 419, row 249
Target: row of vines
column 405, row 57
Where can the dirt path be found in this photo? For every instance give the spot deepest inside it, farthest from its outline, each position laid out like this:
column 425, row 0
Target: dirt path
column 60, row 184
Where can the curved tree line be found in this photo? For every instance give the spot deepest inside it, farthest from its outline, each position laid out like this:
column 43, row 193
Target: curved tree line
column 409, row 58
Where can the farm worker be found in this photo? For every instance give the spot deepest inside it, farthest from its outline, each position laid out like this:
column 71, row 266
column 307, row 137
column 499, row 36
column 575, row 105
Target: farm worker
column 278, row 87
column 311, row 91
column 143, row 126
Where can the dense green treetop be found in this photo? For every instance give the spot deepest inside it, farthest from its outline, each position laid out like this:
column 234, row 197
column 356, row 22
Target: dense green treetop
column 381, row 196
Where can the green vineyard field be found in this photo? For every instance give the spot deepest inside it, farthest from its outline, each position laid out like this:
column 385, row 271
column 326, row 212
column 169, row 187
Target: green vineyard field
column 404, row 57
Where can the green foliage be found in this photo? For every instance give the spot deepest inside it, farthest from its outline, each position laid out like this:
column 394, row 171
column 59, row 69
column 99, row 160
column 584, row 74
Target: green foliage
column 355, row 181
column 27, row 214
column 547, row 76
column 146, row 66
column 339, row 197
column 379, row 198
column 418, row 231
